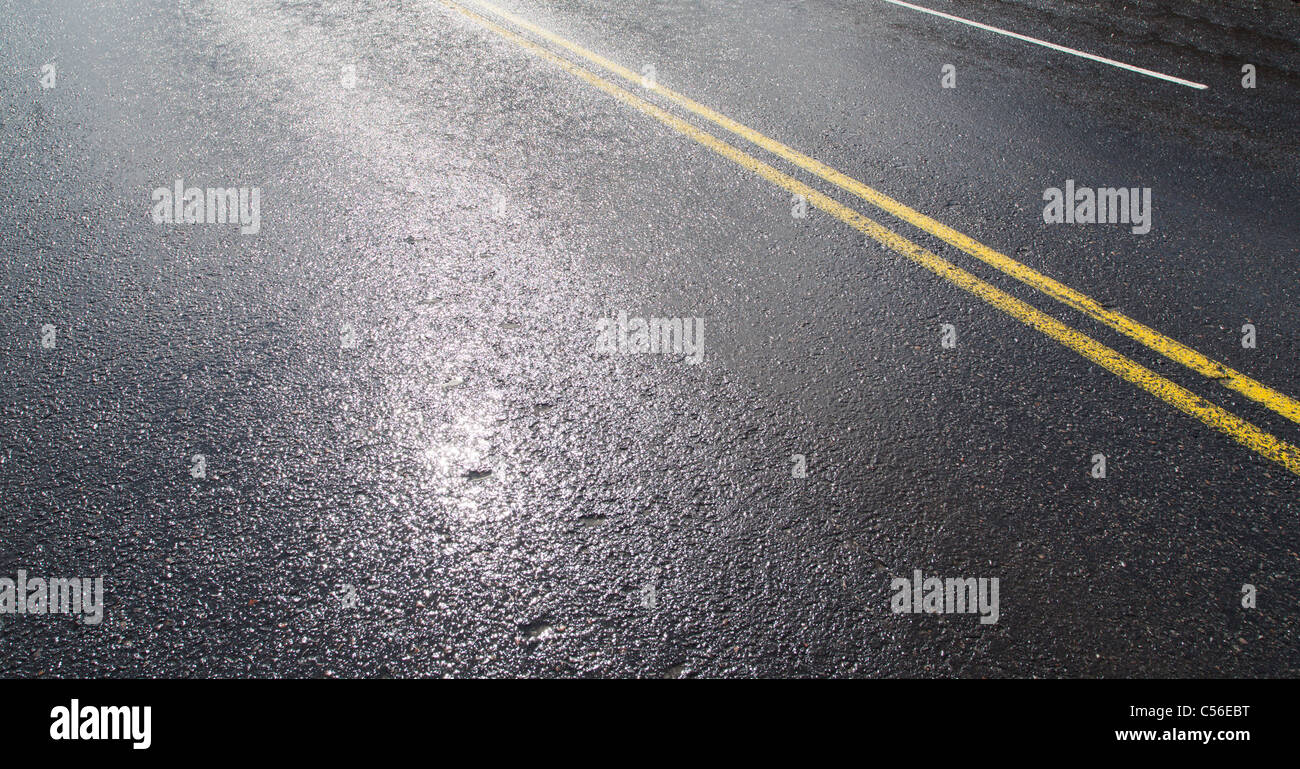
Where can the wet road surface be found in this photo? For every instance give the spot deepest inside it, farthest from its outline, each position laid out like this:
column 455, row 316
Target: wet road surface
column 384, row 436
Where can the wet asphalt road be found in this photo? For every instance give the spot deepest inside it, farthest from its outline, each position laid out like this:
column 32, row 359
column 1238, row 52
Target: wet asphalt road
column 474, row 489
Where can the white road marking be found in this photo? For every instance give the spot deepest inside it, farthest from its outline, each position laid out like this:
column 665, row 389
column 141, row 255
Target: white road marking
column 1053, row 46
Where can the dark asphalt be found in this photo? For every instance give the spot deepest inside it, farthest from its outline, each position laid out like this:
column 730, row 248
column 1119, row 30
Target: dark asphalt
column 500, row 495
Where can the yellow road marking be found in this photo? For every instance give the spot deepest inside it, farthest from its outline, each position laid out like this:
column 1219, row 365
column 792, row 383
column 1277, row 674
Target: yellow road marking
column 1149, row 337
column 1181, row 398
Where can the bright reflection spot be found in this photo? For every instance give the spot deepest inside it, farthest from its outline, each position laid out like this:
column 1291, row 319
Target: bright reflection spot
column 465, row 448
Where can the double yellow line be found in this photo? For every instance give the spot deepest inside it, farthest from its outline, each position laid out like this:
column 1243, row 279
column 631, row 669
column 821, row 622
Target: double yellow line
column 1181, row 398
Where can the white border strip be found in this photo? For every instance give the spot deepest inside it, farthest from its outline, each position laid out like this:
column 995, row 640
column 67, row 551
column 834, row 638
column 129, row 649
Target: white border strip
column 1053, row 46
